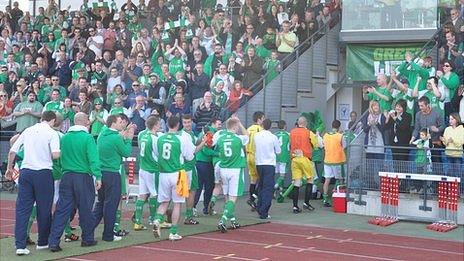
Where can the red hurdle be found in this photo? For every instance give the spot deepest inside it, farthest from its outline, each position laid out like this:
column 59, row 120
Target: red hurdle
column 448, row 207
column 389, row 198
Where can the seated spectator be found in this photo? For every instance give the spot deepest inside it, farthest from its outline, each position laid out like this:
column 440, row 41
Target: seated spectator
column 218, row 95
column 113, row 80
column 54, row 104
column 140, row 112
column 163, row 127
column 178, row 108
column 68, row 115
column 118, row 92
column 222, row 76
column 237, row 96
column 205, row 112
column 452, row 50
column 83, row 105
column 136, row 91
column 28, row 112
column 118, row 107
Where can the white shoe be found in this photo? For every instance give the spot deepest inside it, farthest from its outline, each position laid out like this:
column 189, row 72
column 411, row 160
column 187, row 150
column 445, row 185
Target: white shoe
column 174, row 237
column 22, row 251
column 116, row 238
column 41, row 247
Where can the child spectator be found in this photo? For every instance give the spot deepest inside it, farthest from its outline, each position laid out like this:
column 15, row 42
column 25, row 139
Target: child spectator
column 218, row 95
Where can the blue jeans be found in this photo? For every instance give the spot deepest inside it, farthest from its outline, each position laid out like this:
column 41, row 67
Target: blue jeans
column 205, row 172
column 34, row 186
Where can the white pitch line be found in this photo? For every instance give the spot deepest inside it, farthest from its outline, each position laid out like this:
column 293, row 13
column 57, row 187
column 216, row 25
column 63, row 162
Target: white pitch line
column 79, row 259
column 297, row 248
column 339, row 240
column 196, row 253
column 8, row 219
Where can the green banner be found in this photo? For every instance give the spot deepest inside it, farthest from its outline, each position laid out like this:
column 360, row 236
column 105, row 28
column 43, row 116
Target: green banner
column 365, row 61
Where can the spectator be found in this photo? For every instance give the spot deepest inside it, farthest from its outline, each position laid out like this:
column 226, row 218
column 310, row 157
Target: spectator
column 205, row 112
column 131, row 73
column 118, row 92
column 453, row 139
column 353, row 119
column 140, row 112
column 27, row 113
column 6, row 109
column 83, row 105
column 61, row 69
column 253, row 68
column 237, row 96
column 429, row 119
column 458, row 101
column 286, row 40
column 136, row 91
column 456, row 20
column 218, row 95
column 399, row 122
column 213, row 61
column 68, row 115
column 156, row 94
column 452, row 50
column 98, row 117
column 178, row 108
column 118, row 108
column 381, row 93
column 373, row 126
column 54, row 104
column 199, row 85
column 222, row 76
column 451, row 82
column 113, row 80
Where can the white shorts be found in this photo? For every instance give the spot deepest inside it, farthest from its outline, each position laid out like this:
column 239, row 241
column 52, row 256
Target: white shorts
column 333, row 171
column 281, row 168
column 217, row 173
column 147, row 183
column 232, row 182
column 56, row 195
column 167, row 188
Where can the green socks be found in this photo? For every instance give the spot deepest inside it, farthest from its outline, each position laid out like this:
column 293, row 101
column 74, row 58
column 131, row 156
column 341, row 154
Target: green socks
column 67, row 228
column 279, row 182
column 117, row 223
column 229, row 209
column 189, row 213
column 325, row 198
column 153, row 203
column 173, row 229
column 139, row 211
column 213, row 198
column 31, row 219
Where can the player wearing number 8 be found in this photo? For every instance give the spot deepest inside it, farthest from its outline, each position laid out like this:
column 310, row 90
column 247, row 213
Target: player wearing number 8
column 232, row 163
column 172, row 150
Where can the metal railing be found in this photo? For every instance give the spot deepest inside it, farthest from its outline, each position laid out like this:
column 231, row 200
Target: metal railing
column 286, row 62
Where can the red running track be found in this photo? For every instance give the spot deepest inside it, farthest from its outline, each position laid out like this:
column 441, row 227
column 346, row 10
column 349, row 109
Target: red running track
column 274, row 241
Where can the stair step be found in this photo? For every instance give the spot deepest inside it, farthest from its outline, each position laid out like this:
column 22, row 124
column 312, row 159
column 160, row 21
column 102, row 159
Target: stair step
column 288, row 106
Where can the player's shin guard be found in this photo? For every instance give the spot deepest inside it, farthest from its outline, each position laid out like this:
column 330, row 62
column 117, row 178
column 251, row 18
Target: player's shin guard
column 279, row 183
column 31, row 219
column 173, row 229
column 295, row 194
column 188, row 213
column 67, row 228
column 308, row 192
column 153, row 203
column 139, row 211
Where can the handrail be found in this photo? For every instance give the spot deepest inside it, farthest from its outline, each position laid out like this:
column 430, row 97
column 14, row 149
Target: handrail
column 258, row 85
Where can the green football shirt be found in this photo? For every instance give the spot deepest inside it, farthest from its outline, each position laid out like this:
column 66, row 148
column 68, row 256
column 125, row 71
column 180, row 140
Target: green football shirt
column 284, row 140
column 230, row 148
column 147, row 161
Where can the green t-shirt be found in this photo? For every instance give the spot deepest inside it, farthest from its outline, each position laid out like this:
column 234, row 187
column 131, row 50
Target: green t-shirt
column 435, row 102
column 55, row 106
column 96, row 124
column 176, row 65
column 147, row 162
column 169, row 153
column 219, row 98
column 384, row 105
column 284, row 140
column 56, row 167
column 230, row 148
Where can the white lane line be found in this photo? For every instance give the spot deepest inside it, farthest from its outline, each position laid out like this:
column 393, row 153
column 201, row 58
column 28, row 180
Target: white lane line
column 339, row 240
column 196, row 253
column 79, row 259
column 298, row 249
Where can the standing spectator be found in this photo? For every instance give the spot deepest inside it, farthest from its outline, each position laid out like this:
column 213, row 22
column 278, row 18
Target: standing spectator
column 61, row 69
column 237, row 96
column 28, row 112
column 98, row 117
column 453, row 139
column 199, row 85
column 353, row 119
column 428, row 118
column 252, row 67
column 16, row 14
column 113, row 143
column 84, row 105
column 41, row 145
column 267, row 146
column 286, row 40
column 451, row 82
column 458, row 101
column 131, row 72
column 381, row 93
column 456, row 20
column 399, row 121
column 223, row 76
column 156, row 94
column 374, row 126
column 6, row 109
column 136, row 91
column 178, row 108
column 54, row 104
column 80, row 162
column 206, row 111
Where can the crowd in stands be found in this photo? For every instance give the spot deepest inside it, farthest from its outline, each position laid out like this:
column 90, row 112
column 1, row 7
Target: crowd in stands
column 421, row 104
column 161, row 57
